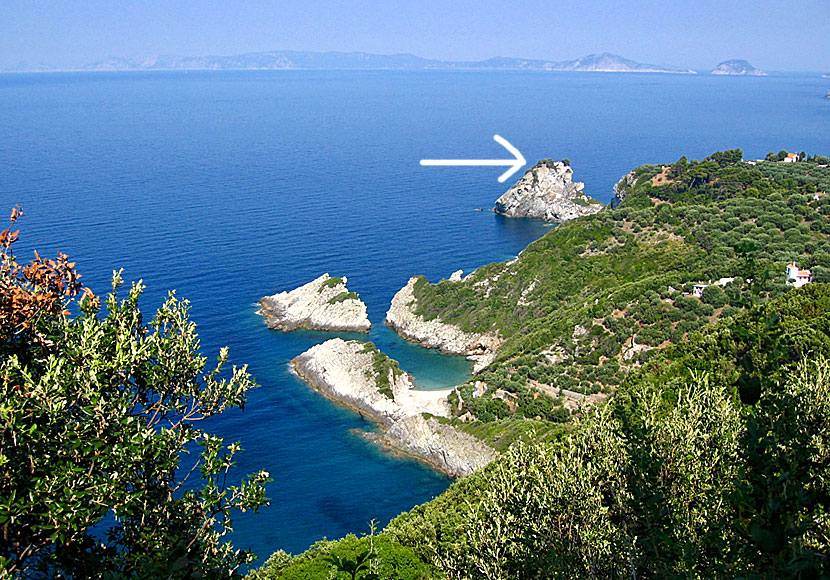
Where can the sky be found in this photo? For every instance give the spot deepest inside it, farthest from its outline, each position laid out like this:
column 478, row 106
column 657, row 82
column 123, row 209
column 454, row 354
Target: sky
column 774, row 35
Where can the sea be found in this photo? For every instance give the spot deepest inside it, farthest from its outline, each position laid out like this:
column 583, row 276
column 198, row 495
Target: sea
column 229, row 186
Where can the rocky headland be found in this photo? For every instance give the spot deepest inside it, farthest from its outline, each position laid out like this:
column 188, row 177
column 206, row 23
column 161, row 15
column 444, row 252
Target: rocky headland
column 622, row 187
column 323, row 304
column 357, row 375
column 448, row 338
column 546, row 191
column 737, row 67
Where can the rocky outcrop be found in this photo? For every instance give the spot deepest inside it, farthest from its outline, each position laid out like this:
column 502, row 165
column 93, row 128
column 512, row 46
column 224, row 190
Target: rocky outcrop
column 347, row 372
column 622, row 187
column 441, row 445
column 546, row 191
column 323, row 304
column 737, row 67
column 448, row 338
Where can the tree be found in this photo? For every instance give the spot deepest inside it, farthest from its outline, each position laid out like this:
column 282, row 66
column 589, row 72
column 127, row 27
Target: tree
column 726, row 158
column 96, row 411
column 715, row 296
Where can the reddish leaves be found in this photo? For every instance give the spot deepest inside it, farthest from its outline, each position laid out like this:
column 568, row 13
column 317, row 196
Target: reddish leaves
column 35, row 292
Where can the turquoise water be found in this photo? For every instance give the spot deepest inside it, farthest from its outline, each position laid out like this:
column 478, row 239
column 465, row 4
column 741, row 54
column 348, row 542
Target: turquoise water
column 231, row 185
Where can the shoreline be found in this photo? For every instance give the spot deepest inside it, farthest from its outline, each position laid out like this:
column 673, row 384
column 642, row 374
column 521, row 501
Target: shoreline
column 342, row 372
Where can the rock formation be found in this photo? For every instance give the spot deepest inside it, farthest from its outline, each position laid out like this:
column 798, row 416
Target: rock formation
column 737, row 67
column 323, row 304
column 452, row 451
column 547, row 192
column 622, row 187
column 346, row 371
column 448, row 338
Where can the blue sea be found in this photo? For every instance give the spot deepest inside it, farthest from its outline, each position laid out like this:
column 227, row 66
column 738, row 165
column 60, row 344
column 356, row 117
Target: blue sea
column 228, row 186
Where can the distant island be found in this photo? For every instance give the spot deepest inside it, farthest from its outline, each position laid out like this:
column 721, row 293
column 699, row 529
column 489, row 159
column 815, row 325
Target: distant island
column 737, row 67
column 303, row 60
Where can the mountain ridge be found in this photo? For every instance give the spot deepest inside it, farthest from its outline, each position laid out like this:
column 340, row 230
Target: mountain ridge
column 336, row 60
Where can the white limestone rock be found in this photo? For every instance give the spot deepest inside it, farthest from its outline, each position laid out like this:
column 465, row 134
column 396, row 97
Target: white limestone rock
column 546, row 191
column 323, row 304
column 452, row 451
column 344, row 372
column 448, row 338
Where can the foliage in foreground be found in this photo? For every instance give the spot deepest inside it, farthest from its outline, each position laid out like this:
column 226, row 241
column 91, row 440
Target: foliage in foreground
column 682, row 474
column 96, row 412
column 375, row 556
column 676, row 476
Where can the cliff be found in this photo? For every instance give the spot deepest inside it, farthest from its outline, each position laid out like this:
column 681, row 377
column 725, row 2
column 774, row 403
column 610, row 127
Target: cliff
column 448, row 338
column 737, row 67
column 622, row 187
column 359, row 376
column 546, row 191
column 323, row 304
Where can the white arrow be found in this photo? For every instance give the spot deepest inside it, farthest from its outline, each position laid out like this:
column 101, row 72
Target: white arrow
column 515, row 164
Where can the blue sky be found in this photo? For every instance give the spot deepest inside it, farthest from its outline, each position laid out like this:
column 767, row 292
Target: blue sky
column 773, row 35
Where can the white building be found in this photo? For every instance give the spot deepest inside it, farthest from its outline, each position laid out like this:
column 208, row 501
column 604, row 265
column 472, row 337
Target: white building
column 797, row 277
column 791, row 158
column 698, row 289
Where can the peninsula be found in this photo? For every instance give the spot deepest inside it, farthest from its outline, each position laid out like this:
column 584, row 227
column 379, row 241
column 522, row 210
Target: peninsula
column 359, row 376
column 403, row 317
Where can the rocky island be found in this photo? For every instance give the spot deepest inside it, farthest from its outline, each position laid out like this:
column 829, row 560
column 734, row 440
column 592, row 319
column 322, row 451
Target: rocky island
column 323, row 304
column 546, row 191
column 433, row 333
column 607, row 62
column 737, row 67
column 359, row 376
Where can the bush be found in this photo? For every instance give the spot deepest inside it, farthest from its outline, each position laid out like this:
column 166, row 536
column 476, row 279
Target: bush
column 97, row 411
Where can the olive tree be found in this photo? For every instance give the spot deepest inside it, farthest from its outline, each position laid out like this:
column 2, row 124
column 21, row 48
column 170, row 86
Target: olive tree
column 104, row 471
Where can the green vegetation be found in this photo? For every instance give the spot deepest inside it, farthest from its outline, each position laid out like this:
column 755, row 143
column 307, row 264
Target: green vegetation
column 382, row 368
column 595, row 298
column 330, row 283
column 500, row 434
column 710, row 455
column 683, row 474
column 96, row 413
column 367, row 557
column 343, row 296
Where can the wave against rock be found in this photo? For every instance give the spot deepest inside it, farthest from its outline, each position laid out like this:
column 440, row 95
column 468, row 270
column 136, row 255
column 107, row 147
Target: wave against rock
column 546, row 191
column 323, row 304
column 448, row 338
column 359, row 376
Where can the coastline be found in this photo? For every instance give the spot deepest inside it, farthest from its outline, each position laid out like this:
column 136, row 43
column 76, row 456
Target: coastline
column 442, row 336
column 343, row 373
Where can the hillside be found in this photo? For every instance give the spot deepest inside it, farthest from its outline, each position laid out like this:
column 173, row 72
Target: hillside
column 703, row 450
column 711, row 461
column 597, row 297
